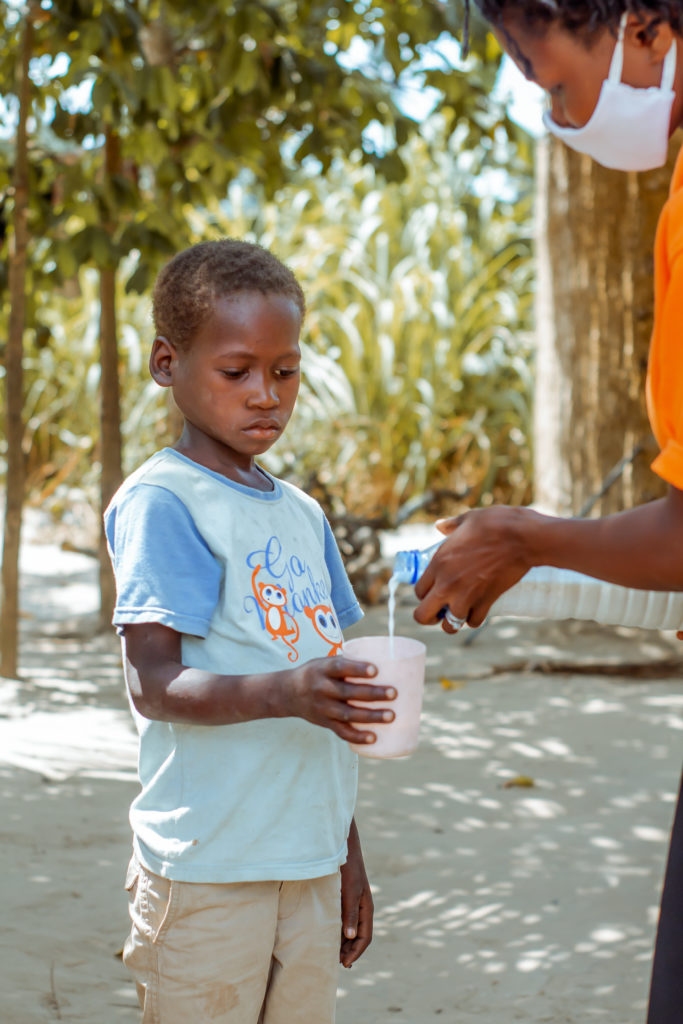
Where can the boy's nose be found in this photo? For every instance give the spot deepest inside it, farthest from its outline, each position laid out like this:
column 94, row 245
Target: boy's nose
column 265, row 394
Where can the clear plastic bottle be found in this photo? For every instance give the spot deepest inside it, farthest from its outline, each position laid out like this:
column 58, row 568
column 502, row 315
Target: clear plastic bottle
column 549, row 593
column 409, row 565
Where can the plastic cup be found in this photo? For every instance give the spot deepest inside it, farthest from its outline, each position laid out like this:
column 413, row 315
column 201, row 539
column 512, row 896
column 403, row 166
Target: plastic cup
column 400, row 663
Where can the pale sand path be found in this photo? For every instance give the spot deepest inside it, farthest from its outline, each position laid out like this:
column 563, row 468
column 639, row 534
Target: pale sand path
column 493, row 904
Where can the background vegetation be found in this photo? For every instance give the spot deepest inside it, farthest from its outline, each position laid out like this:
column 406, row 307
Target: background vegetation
column 286, row 123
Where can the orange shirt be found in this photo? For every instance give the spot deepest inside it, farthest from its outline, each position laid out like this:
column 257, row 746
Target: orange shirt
column 665, row 368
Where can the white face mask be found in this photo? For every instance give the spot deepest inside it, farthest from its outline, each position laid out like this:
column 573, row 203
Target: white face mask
column 629, row 128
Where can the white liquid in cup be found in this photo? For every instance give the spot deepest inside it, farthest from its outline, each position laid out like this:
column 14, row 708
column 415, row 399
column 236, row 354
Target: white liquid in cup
column 400, row 662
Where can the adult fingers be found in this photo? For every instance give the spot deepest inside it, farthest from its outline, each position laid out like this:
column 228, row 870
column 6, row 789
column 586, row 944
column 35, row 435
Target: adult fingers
column 435, row 601
column 449, row 524
column 453, row 622
column 479, row 613
column 425, row 582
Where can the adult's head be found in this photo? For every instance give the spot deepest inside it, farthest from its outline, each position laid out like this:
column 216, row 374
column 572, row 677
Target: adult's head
column 627, row 54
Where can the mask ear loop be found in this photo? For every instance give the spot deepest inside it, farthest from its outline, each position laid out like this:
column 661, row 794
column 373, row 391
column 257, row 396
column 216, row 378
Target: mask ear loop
column 617, row 65
column 669, row 69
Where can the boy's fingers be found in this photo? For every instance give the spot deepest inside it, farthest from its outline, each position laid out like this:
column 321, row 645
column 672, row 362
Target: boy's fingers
column 349, row 952
column 349, row 920
column 344, row 667
column 347, row 713
column 352, row 735
column 361, row 691
column 352, row 949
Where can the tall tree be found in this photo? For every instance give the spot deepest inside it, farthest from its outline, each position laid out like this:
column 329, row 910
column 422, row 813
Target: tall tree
column 14, row 355
column 596, row 231
column 111, row 472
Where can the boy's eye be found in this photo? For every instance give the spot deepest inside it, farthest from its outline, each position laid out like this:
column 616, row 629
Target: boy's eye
column 287, row 371
column 233, row 374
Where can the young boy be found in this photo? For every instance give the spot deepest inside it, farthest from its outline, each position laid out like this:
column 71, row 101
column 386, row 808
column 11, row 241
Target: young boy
column 231, row 596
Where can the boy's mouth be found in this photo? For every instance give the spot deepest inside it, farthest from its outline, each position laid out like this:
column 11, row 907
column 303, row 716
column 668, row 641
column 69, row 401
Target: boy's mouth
column 263, row 428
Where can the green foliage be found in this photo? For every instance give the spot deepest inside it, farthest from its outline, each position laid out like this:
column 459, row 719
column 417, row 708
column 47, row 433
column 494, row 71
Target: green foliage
column 416, row 366
column 146, row 111
column 173, row 104
column 419, row 297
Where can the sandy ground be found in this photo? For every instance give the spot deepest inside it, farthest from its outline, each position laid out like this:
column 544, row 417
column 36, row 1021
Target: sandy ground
column 493, row 902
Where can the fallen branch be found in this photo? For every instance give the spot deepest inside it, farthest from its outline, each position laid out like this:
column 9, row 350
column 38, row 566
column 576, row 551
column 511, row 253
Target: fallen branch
column 52, row 1000
column 667, row 668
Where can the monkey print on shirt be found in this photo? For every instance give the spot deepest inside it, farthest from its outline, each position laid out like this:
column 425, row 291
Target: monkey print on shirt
column 288, row 596
column 279, row 623
column 325, row 624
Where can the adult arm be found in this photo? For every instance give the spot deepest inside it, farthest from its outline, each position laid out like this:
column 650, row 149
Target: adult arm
column 162, row 688
column 489, row 550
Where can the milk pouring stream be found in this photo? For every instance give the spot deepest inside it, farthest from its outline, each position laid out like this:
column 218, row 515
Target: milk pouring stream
column 549, row 593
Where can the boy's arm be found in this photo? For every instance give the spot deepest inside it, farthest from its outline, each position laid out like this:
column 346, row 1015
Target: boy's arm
column 164, row 689
column 356, row 900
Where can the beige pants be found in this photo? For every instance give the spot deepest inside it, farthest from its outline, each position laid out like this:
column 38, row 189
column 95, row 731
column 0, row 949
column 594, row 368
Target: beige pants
column 242, row 953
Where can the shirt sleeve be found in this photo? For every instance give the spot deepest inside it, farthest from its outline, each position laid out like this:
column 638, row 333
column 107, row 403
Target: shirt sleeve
column 343, row 598
column 164, row 570
column 666, row 385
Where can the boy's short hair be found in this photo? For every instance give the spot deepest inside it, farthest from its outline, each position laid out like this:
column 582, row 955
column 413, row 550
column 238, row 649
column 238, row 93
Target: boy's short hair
column 189, row 285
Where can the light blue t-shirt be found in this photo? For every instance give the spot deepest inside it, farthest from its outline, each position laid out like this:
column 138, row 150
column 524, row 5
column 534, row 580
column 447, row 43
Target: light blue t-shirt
column 253, row 582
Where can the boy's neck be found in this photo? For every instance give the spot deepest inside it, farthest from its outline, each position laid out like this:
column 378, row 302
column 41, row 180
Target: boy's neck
column 248, row 475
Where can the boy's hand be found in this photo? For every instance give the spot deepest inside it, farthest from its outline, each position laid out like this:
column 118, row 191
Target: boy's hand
column 356, row 903
column 320, row 693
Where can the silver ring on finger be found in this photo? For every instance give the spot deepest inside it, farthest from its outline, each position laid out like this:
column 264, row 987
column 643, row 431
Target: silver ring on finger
column 453, row 621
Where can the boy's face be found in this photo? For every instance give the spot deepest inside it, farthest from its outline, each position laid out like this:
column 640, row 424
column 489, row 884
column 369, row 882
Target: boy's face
column 237, row 383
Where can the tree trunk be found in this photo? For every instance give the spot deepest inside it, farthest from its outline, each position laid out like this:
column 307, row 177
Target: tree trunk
column 595, row 240
column 110, row 429
column 14, row 379
column 110, row 405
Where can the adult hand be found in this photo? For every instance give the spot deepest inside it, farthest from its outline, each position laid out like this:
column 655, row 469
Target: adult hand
column 485, row 554
column 356, row 903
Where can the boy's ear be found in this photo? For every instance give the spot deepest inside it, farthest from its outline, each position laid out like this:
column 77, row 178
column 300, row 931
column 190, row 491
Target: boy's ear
column 161, row 361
